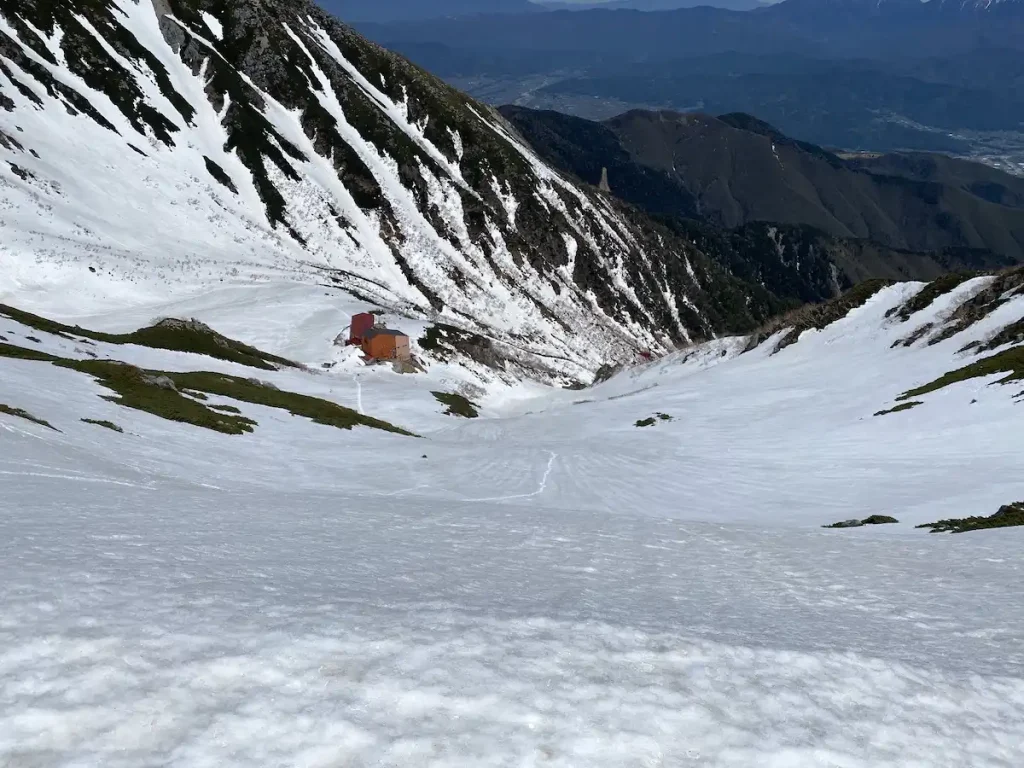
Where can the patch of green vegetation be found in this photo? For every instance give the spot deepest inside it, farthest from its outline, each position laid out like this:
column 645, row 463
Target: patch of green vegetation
column 37, row 322
column 259, row 393
column 224, row 408
column 170, row 334
column 177, row 396
column 156, row 393
column 190, row 336
column 900, row 407
column 457, row 405
column 927, row 295
column 11, row 411
column 1010, row 362
column 22, row 353
column 105, row 424
column 872, row 520
column 159, row 392
column 650, row 421
column 1008, row 516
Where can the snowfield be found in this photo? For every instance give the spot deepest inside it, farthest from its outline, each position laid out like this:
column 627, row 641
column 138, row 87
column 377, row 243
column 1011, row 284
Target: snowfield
column 547, row 585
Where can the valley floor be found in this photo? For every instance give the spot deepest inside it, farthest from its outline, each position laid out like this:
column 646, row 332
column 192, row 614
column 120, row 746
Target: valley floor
column 547, row 585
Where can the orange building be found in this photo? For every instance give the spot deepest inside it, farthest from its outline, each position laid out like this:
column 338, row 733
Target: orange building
column 361, row 323
column 386, row 344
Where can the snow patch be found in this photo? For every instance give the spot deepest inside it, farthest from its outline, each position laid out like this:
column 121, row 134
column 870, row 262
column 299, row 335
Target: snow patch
column 213, row 24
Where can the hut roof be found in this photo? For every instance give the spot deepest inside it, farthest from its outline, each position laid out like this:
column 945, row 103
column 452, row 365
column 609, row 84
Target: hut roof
column 381, row 332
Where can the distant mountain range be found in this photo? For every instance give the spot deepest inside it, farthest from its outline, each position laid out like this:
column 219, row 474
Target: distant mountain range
column 739, row 188
column 861, row 74
column 415, row 10
column 828, row 28
column 650, row 5
column 352, row 11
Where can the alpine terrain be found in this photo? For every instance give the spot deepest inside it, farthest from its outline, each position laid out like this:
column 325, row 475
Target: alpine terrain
column 615, row 496
column 165, row 146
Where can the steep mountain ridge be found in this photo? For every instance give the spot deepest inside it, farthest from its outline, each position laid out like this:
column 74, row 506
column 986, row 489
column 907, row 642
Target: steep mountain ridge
column 735, row 170
column 741, row 170
column 720, row 182
column 158, row 147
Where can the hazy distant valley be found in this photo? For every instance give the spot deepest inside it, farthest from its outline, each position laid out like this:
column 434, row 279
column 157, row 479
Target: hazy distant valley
column 847, row 75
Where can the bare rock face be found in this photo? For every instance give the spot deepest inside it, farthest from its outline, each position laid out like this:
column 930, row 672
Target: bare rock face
column 162, row 382
column 176, row 324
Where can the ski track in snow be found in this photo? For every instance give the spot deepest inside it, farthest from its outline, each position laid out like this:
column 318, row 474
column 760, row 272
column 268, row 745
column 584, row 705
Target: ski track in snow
column 541, row 486
column 75, row 478
column 359, row 394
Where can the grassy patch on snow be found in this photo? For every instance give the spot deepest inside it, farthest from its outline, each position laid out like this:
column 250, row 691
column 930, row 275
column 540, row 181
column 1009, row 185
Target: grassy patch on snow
column 170, row 334
column 179, row 396
column 872, row 520
column 900, row 407
column 259, row 393
column 1009, row 361
column 457, row 405
column 157, row 393
column 24, row 353
column 1008, row 516
column 650, row 421
column 21, row 414
column 222, row 408
column 105, row 424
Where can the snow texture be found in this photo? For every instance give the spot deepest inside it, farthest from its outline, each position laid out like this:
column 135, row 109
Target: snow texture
column 214, row 24
column 549, row 586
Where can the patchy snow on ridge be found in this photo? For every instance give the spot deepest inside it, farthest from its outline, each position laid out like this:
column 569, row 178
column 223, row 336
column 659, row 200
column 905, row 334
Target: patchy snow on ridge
column 120, row 194
column 214, row 24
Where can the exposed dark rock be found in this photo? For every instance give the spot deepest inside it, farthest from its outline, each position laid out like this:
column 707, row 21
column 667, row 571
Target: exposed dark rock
column 1009, row 515
column 872, row 520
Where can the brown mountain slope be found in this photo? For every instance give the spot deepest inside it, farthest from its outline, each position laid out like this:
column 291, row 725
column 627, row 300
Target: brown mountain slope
column 796, row 262
column 739, row 170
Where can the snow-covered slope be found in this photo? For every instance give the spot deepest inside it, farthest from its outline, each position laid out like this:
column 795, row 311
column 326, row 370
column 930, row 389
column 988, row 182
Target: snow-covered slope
column 548, row 584
column 156, row 148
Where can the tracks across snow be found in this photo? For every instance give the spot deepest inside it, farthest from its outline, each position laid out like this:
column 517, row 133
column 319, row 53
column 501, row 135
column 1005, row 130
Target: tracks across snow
column 541, row 486
column 359, row 394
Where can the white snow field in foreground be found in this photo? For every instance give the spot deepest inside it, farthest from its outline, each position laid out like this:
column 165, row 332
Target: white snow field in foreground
column 550, row 586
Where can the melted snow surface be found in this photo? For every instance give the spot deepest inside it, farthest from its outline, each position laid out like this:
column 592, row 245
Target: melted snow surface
column 551, row 585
